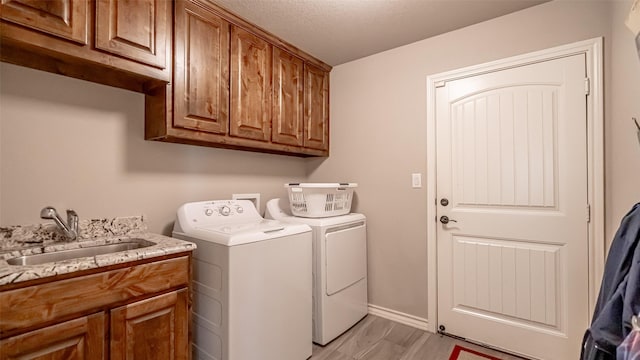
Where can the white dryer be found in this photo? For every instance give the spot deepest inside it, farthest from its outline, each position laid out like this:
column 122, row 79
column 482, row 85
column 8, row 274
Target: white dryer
column 339, row 269
column 252, row 282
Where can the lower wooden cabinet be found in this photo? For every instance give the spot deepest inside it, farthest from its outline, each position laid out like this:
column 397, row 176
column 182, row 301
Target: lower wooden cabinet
column 149, row 328
column 82, row 338
column 130, row 312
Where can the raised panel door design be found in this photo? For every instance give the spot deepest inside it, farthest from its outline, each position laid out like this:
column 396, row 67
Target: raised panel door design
column 66, row 19
column 316, row 108
column 512, row 160
column 201, row 73
column 508, row 279
column 505, row 147
column 148, row 328
column 250, row 86
column 134, row 29
column 76, row 339
column 288, row 81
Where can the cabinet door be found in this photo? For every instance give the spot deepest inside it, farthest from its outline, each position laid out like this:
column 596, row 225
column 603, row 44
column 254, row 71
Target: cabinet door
column 250, row 86
column 66, row 19
column 136, row 30
column 81, row 338
column 150, row 328
column 316, row 108
column 201, row 69
column 288, row 79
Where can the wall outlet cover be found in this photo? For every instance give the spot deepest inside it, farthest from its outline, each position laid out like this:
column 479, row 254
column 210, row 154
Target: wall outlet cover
column 255, row 198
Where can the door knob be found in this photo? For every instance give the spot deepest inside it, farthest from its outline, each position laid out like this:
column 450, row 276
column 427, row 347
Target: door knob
column 445, row 219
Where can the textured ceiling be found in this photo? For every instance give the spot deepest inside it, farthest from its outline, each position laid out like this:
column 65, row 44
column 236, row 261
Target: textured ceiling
column 338, row 31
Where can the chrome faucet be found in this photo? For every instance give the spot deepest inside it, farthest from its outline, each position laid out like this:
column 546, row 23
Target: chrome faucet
column 70, row 228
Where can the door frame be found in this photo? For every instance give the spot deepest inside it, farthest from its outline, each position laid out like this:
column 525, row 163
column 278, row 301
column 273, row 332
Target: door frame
column 592, row 49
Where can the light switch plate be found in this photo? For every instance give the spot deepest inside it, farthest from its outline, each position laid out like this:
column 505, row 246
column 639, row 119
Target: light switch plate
column 416, row 180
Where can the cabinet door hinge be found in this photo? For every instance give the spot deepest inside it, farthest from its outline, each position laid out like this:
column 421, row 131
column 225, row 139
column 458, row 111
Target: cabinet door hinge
column 587, row 86
column 440, row 84
column 588, row 213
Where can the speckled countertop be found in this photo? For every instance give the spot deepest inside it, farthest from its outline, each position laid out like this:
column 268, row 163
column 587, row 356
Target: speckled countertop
column 16, row 241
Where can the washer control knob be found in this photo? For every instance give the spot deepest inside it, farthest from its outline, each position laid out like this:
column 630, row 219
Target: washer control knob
column 239, row 209
column 225, row 210
column 208, row 212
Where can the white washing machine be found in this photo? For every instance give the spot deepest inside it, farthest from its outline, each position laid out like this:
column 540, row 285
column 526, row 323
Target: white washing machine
column 252, row 282
column 339, row 269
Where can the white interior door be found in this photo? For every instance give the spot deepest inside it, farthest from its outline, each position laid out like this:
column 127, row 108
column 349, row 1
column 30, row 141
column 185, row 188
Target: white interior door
column 512, row 163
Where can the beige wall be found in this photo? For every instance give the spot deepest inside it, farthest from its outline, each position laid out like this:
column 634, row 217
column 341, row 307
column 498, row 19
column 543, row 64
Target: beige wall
column 378, row 134
column 622, row 167
column 70, row 143
column 74, row 144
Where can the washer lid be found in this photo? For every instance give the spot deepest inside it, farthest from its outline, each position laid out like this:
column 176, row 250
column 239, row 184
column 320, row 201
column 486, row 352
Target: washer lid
column 239, row 234
column 245, row 228
column 229, row 222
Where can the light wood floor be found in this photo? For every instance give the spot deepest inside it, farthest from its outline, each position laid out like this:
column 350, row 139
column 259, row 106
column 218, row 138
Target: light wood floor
column 375, row 338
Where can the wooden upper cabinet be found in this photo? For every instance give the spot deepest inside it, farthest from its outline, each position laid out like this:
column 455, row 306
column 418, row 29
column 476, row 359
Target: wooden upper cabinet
column 250, row 86
column 137, row 30
column 154, row 328
column 287, row 113
column 236, row 86
column 201, row 69
column 82, row 338
column 316, row 108
column 67, row 19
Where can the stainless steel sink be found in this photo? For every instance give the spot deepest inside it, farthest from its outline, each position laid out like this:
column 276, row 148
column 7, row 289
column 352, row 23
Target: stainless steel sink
column 80, row 252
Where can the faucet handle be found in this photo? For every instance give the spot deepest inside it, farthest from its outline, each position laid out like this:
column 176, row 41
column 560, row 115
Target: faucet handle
column 72, row 220
column 48, row 212
column 70, row 229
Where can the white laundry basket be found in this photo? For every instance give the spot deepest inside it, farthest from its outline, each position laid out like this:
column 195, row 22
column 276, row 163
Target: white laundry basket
column 316, row 200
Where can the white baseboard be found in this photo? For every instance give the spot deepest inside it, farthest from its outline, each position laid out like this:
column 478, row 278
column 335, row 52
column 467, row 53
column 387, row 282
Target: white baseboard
column 397, row 316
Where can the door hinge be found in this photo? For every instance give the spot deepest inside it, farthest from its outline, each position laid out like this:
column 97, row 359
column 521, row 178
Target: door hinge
column 588, row 213
column 587, row 86
column 440, row 84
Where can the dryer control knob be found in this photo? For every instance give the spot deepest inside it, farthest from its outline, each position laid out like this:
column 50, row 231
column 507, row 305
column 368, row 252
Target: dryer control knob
column 239, row 209
column 208, row 212
column 225, row 210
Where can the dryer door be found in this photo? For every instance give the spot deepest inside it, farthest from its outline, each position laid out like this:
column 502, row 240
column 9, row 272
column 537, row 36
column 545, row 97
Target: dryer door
column 346, row 257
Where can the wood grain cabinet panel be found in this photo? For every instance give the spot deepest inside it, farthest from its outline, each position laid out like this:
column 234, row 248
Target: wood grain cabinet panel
column 128, row 311
column 201, row 80
column 151, row 328
column 136, row 30
column 287, row 113
column 66, row 19
column 236, row 86
column 62, row 299
column 82, row 338
column 250, row 86
column 316, row 108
